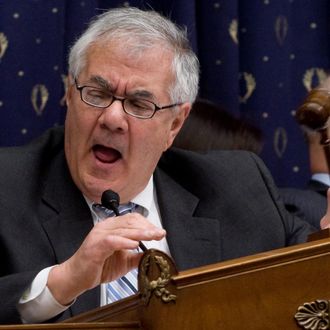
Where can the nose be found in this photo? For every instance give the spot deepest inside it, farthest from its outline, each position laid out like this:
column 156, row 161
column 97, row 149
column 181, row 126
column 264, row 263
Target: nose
column 113, row 117
column 116, row 98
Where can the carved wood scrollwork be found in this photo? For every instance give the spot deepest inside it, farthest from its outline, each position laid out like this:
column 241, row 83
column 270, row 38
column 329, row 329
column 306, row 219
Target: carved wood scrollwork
column 313, row 315
column 155, row 271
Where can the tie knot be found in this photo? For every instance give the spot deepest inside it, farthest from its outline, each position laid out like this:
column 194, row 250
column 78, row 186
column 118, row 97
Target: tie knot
column 102, row 212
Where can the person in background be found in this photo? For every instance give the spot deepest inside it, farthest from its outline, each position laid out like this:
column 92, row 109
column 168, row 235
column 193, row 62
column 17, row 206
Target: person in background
column 310, row 202
column 133, row 78
column 211, row 127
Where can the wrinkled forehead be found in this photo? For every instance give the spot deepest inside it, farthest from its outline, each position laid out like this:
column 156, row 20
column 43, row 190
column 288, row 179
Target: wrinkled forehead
column 135, row 56
column 120, row 65
column 135, row 46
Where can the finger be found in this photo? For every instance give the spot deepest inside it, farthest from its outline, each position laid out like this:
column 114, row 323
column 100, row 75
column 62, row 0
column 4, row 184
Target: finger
column 132, row 259
column 132, row 220
column 116, row 242
column 121, row 265
column 139, row 234
column 134, row 227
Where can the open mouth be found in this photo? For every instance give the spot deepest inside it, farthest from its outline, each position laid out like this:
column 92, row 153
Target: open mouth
column 105, row 154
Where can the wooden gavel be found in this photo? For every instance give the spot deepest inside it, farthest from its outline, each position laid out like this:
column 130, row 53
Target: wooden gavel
column 315, row 110
column 314, row 113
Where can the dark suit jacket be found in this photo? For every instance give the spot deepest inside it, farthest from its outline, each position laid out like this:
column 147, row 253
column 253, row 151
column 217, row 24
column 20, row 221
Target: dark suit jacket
column 318, row 186
column 214, row 207
column 309, row 204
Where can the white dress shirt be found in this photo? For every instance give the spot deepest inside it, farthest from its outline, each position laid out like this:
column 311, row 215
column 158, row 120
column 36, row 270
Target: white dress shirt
column 322, row 177
column 38, row 304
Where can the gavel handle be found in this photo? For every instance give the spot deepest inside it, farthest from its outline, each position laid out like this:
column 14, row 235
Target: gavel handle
column 325, row 141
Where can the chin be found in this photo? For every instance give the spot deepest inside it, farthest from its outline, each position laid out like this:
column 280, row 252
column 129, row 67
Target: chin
column 92, row 189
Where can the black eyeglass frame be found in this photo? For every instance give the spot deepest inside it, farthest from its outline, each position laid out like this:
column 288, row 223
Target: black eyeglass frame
column 122, row 100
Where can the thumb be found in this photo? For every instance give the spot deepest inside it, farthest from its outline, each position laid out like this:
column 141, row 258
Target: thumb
column 325, row 221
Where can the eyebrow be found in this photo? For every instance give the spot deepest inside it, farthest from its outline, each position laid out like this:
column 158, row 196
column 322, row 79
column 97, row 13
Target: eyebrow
column 143, row 94
column 101, row 82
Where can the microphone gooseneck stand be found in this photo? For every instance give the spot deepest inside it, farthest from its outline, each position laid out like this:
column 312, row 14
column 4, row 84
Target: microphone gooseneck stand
column 110, row 199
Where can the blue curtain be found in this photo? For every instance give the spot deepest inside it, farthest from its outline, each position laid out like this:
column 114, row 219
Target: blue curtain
column 258, row 60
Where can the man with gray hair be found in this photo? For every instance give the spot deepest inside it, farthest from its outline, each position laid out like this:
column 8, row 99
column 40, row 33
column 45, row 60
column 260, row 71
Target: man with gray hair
column 133, row 79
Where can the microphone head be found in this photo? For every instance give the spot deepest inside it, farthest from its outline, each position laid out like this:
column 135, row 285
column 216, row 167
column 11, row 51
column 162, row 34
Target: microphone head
column 110, row 199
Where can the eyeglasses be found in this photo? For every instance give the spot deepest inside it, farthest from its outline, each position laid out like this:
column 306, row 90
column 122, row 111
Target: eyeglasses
column 135, row 107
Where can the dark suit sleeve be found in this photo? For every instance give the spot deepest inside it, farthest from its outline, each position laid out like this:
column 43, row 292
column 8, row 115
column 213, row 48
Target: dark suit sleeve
column 306, row 204
column 24, row 245
column 296, row 229
column 19, row 260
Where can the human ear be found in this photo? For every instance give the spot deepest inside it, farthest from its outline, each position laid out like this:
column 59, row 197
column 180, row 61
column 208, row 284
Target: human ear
column 178, row 121
column 69, row 90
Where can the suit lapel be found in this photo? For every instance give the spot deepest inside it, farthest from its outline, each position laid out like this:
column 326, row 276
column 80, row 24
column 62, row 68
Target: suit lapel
column 193, row 240
column 67, row 220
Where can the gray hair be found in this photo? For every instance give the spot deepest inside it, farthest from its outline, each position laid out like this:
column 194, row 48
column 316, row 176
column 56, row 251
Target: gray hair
column 143, row 29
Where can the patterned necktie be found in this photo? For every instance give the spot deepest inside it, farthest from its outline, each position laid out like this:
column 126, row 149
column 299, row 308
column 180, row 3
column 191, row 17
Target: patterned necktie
column 102, row 212
column 124, row 286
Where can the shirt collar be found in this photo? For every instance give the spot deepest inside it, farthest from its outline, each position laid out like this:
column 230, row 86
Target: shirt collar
column 322, row 177
column 144, row 198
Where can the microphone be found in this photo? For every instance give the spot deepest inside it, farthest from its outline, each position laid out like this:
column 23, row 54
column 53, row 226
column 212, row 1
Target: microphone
column 110, row 200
